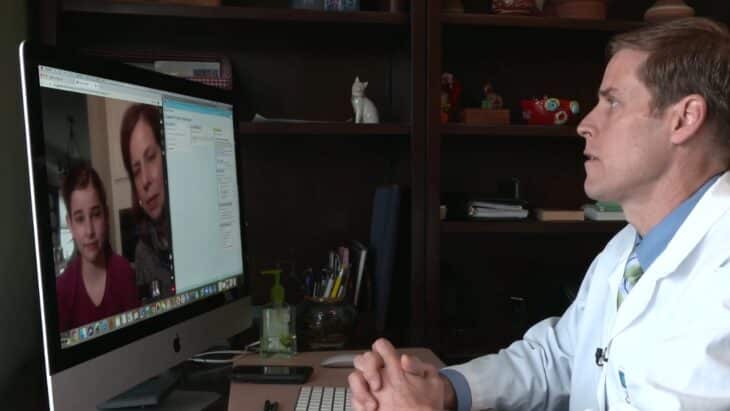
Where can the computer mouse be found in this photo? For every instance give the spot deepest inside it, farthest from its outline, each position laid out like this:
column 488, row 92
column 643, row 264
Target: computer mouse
column 339, row 361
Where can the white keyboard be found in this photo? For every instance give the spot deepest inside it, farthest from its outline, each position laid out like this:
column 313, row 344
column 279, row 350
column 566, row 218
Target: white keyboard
column 323, row 399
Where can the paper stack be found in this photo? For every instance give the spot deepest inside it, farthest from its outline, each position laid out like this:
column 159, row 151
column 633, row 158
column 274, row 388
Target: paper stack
column 489, row 209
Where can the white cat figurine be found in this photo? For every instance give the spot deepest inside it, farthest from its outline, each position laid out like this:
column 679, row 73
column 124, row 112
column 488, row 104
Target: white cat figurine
column 365, row 111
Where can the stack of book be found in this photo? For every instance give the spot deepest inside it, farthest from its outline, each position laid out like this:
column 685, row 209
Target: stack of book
column 546, row 214
column 482, row 206
column 604, row 211
column 358, row 254
column 211, row 68
column 214, row 73
column 182, row 2
column 495, row 209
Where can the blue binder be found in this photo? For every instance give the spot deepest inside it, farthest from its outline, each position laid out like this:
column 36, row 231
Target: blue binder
column 383, row 240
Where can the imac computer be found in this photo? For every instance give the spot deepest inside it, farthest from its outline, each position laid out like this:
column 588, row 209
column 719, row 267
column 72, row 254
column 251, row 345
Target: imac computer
column 137, row 219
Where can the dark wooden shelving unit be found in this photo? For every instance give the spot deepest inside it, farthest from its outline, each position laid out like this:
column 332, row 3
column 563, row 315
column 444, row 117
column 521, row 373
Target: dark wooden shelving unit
column 321, row 128
column 232, row 12
column 310, row 192
column 303, row 196
column 531, row 227
column 480, row 261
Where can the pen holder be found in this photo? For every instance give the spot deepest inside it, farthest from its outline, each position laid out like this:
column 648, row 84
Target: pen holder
column 326, row 323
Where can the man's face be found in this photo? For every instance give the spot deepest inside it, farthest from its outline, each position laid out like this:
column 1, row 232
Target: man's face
column 146, row 159
column 627, row 145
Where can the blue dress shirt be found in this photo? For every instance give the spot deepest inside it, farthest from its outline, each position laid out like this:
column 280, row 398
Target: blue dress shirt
column 655, row 241
column 648, row 249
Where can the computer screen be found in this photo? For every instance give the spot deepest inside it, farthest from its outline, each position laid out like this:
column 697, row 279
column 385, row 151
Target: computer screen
column 137, row 218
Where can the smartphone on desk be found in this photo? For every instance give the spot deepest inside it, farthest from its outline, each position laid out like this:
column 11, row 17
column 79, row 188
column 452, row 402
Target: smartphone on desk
column 271, row 374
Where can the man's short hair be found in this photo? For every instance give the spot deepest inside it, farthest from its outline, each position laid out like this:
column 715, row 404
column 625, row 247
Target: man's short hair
column 686, row 56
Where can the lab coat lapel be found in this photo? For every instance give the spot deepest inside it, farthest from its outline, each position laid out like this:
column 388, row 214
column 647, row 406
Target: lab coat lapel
column 618, row 251
column 707, row 211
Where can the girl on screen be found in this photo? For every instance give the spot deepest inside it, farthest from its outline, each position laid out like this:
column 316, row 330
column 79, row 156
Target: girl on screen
column 97, row 283
column 142, row 155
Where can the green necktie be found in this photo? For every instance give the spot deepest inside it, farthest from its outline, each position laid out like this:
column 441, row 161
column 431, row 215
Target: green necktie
column 632, row 273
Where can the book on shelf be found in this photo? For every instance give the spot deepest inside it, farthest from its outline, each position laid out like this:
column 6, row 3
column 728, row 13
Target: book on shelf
column 210, row 72
column 211, row 68
column 545, row 214
column 476, row 206
column 496, row 205
column 358, row 258
column 479, row 212
column 383, row 248
column 208, row 3
column 258, row 118
column 607, row 206
column 593, row 212
column 183, row 68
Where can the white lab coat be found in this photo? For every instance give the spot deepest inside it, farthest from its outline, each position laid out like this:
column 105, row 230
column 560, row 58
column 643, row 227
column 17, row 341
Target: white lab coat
column 670, row 338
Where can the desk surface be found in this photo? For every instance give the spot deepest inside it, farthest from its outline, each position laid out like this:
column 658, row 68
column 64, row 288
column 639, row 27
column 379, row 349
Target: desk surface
column 252, row 396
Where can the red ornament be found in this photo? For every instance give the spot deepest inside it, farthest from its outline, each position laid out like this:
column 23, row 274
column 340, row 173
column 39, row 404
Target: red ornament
column 450, row 93
column 549, row 111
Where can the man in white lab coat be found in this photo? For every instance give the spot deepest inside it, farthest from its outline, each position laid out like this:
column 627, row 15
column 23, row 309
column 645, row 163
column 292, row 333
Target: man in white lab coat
column 650, row 327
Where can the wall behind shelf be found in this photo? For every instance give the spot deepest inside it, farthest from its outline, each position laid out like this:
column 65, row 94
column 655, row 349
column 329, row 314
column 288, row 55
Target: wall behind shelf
column 481, row 273
column 305, row 193
column 324, row 198
column 310, row 76
column 523, row 63
column 292, row 69
column 550, row 170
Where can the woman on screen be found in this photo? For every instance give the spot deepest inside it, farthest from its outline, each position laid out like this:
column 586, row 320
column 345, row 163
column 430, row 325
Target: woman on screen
column 97, row 283
column 142, row 155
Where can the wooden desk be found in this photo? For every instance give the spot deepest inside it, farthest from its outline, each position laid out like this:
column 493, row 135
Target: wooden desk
column 251, row 397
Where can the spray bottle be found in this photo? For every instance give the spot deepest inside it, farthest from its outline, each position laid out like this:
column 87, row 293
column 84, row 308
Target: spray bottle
column 278, row 329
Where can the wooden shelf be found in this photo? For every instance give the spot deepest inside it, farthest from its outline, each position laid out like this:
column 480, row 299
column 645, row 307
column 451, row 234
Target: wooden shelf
column 233, row 13
column 509, row 130
column 321, row 128
column 531, row 226
column 477, row 19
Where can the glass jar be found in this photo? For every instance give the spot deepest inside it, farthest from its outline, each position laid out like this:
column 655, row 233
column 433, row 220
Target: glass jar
column 326, row 323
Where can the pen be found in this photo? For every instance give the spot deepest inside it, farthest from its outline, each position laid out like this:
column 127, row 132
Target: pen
column 267, row 405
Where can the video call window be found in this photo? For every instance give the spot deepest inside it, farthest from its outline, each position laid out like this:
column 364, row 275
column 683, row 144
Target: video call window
column 119, row 178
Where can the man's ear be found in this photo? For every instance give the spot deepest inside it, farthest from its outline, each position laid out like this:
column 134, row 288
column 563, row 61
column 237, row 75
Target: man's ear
column 687, row 116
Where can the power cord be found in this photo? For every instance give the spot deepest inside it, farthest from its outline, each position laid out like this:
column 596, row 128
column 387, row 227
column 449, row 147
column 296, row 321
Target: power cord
column 231, row 355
